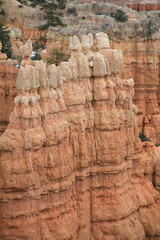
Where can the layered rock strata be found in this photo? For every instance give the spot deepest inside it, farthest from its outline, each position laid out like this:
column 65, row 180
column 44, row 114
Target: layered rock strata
column 8, row 75
column 138, row 5
column 145, row 6
column 138, row 38
column 141, row 60
column 72, row 165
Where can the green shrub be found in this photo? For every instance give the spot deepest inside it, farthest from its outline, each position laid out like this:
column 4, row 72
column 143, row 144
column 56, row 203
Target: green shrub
column 43, row 39
column 144, row 138
column 5, row 39
column 44, row 27
column 120, row 16
column 72, row 11
column 2, row 12
column 157, row 144
column 38, row 45
column 56, row 57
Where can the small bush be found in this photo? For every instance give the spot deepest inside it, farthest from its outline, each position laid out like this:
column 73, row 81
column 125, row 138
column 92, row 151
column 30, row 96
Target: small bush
column 43, row 39
column 120, row 16
column 2, row 12
column 72, row 11
column 5, row 39
column 20, row 6
column 144, row 138
column 83, row 18
column 56, row 57
column 157, row 145
column 37, row 45
column 44, row 27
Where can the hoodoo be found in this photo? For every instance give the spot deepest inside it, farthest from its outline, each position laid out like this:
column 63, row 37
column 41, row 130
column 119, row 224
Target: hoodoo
column 71, row 162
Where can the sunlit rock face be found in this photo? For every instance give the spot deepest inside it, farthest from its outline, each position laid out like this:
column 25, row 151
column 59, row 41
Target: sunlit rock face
column 72, row 165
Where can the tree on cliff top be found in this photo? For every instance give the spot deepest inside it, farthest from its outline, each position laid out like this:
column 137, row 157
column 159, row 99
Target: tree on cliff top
column 5, row 39
column 53, row 10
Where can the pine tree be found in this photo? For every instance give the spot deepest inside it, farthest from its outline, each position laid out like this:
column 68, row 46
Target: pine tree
column 53, row 12
column 5, row 39
column 120, row 16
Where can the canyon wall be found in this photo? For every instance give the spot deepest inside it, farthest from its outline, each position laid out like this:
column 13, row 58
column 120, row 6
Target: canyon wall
column 138, row 38
column 142, row 63
column 8, row 75
column 72, row 164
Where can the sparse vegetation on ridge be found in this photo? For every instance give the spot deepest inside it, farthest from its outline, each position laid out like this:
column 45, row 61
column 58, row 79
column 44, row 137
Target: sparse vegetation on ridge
column 52, row 8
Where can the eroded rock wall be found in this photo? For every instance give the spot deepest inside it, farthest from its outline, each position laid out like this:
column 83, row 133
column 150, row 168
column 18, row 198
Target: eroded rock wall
column 142, row 63
column 72, row 165
column 8, row 75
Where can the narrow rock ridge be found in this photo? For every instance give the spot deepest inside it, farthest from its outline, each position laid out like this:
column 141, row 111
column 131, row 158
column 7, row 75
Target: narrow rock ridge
column 72, row 165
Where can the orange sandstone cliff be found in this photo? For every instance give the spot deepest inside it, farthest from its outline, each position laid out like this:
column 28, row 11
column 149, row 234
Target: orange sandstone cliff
column 72, row 165
column 141, row 60
column 8, row 75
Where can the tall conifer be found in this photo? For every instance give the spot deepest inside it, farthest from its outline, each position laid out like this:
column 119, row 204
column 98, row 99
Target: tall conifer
column 5, row 39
